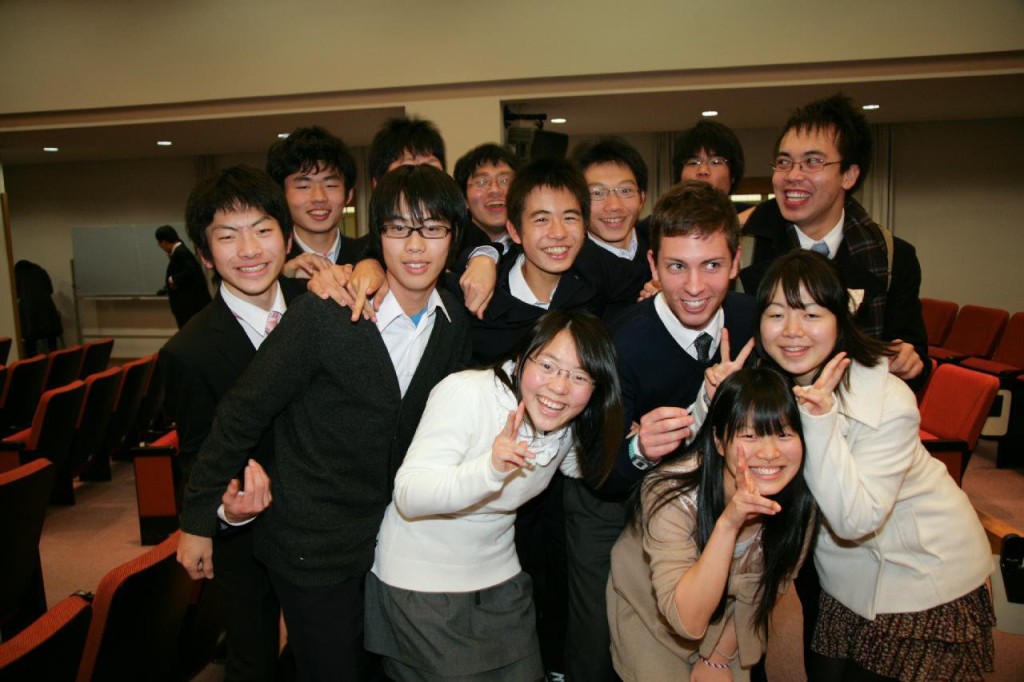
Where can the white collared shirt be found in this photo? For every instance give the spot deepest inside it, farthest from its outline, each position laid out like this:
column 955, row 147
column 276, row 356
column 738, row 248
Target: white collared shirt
column 518, row 287
column 405, row 340
column 627, row 254
column 332, row 253
column 832, row 240
column 685, row 336
column 252, row 318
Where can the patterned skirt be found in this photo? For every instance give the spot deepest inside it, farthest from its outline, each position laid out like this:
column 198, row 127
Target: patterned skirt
column 952, row 641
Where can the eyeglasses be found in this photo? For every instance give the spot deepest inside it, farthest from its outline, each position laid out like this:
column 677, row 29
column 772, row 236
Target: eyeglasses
column 602, row 193
column 399, row 231
column 485, row 181
column 577, row 377
column 694, row 162
column 812, row 165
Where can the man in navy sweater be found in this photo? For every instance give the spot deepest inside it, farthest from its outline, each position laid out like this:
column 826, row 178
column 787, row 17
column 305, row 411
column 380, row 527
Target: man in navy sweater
column 664, row 345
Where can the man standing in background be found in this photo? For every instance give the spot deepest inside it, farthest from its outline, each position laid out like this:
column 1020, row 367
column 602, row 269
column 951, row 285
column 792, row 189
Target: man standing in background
column 184, row 282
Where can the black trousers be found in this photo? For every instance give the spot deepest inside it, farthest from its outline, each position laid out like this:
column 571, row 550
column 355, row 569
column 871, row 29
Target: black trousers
column 325, row 630
column 251, row 611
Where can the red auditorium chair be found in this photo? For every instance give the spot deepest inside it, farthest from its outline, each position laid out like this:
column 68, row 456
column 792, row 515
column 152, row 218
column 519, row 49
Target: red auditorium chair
column 156, row 489
column 138, row 612
column 62, row 367
column 938, row 319
column 97, row 407
column 50, row 437
column 95, row 357
column 975, row 333
column 134, row 377
column 953, row 411
column 21, row 392
column 51, row 648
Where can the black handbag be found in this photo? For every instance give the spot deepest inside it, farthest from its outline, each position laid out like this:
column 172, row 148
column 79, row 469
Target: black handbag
column 1011, row 565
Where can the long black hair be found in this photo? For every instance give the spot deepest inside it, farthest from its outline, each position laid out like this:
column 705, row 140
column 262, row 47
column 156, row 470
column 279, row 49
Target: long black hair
column 824, row 284
column 760, row 399
column 598, row 428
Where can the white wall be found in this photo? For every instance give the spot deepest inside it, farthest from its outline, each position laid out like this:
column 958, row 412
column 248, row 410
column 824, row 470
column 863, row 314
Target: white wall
column 959, row 199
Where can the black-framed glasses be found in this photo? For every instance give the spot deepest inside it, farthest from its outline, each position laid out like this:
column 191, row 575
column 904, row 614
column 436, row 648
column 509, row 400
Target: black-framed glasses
column 784, row 164
column 485, row 181
column 695, row 162
column 602, row 193
column 550, row 369
column 399, row 231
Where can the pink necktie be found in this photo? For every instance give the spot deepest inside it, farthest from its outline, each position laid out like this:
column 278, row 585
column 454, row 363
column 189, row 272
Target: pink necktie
column 272, row 321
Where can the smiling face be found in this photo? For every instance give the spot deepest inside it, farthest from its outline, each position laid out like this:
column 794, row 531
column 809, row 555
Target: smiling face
column 551, row 233
column 812, row 201
column 316, row 199
column 414, row 264
column 487, row 202
column 694, row 272
column 773, row 460
column 801, row 339
column 247, row 249
column 612, row 220
column 554, row 401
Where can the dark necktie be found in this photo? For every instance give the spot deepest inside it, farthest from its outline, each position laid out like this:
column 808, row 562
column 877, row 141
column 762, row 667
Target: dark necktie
column 703, row 345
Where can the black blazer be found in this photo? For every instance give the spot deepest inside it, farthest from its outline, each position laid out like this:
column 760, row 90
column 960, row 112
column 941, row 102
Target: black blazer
column 200, row 364
column 189, row 294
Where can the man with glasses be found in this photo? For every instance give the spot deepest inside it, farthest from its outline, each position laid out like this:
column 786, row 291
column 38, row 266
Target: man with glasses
column 343, row 401
column 484, row 174
column 821, row 158
column 711, row 152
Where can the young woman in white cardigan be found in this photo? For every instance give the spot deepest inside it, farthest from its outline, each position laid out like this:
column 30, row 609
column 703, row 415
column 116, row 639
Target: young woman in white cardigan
column 446, row 597
column 902, row 557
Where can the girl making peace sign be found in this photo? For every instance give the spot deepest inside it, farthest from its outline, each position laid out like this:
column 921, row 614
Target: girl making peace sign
column 446, row 598
column 901, row 555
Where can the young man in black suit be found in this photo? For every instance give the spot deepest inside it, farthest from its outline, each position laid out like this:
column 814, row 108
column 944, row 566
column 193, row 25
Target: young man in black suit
column 318, row 174
column 343, row 401
column 240, row 226
column 664, row 345
column 484, row 174
column 184, row 282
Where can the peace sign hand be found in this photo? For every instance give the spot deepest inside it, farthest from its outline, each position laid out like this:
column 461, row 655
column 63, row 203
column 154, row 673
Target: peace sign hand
column 747, row 502
column 817, row 399
column 716, row 374
column 506, row 453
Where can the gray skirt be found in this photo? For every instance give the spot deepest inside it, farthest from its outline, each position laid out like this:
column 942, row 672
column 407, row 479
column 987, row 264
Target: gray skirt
column 488, row 634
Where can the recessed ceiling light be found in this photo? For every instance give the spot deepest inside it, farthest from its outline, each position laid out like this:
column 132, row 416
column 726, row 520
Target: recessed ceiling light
column 51, row 149
column 164, row 143
column 558, row 120
column 282, row 136
column 871, row 107
column 709, row 113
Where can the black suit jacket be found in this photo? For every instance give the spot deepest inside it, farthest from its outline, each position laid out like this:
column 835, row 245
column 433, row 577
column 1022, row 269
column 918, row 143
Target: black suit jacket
column 189, row 294
column 201, row 363
column 351, row 251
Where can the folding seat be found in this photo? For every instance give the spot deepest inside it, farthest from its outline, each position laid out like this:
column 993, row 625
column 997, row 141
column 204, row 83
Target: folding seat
column 51, row 648
column 96, row 356
column 138, row 612
column 953, row 411
column 97, row 407
column 156, row 488
column 62, row 367
column 134, row 376
column 21, row 392
column 975, row 333
column 5, row 349
column 938, row 319
column 23, row 495
column 50, row 436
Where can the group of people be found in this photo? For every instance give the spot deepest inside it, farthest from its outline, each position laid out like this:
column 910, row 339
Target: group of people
column 515, row 432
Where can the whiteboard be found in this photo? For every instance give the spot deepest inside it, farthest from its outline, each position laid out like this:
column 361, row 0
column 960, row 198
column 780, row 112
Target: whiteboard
column 123, row 259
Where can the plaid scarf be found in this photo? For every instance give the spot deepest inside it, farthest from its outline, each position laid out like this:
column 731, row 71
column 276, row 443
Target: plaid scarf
column 863, row 237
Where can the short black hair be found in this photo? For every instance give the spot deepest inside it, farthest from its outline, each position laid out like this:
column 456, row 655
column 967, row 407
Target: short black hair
column 714, row 138
column 611, row 149
column 166, row 233
column 478, row 156
column 852, row 134
column 399, row 135
column 234, row 188
column 553, row 173
column 693, row 207
column 307, row 150
column 428, row 192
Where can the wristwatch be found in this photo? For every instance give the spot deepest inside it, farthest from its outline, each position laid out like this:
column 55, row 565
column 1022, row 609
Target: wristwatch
column 636, row 457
